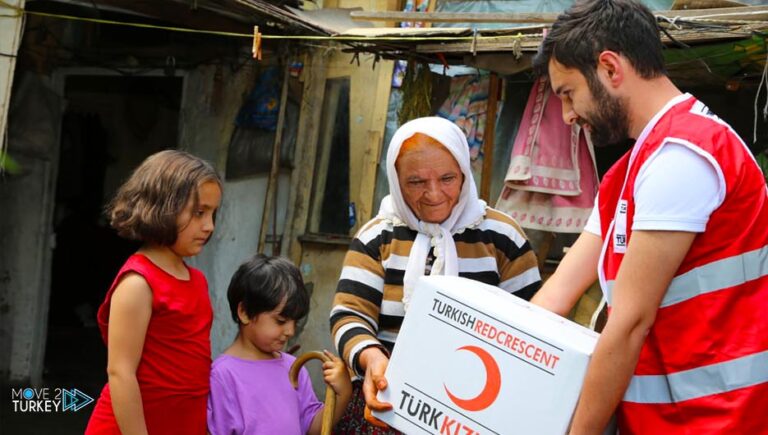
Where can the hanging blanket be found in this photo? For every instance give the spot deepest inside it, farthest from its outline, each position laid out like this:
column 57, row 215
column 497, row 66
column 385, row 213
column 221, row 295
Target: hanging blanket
column 551, row 182
column 466, row 106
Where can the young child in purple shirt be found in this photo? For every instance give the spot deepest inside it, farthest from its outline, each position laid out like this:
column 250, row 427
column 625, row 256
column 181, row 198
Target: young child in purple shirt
column 250, row 389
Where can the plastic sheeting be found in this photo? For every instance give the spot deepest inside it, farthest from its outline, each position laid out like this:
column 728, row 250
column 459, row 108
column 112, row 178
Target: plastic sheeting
column 523, row 6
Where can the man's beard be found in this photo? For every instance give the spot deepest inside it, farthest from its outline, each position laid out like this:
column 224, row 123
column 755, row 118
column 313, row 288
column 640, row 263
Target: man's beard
column 609, row 122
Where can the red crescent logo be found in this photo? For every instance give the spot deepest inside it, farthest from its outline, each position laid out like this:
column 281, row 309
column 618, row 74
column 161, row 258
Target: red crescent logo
column 492, row 383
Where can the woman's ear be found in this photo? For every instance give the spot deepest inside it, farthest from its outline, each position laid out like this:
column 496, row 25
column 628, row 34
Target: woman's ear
column 242, row 315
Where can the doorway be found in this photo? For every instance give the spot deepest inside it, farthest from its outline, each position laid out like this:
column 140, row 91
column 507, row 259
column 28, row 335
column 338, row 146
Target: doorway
column 110, row 125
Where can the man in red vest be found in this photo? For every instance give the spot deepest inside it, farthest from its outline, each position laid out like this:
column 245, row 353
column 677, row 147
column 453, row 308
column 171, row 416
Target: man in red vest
column 678, row 239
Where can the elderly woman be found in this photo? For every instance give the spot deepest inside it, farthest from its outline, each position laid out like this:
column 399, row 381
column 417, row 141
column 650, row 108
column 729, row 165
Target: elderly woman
column 431, row 223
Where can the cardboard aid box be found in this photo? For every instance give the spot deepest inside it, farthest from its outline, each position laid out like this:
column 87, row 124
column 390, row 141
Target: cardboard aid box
column 471, row 358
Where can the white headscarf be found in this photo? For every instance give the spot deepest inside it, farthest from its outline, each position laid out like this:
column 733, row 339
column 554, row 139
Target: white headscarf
column 468, row 211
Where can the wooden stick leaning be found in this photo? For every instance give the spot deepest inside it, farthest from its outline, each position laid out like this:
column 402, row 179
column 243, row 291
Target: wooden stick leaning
column 330, row 395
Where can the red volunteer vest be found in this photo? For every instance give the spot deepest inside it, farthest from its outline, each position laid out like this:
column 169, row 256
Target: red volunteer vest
column 704, row 366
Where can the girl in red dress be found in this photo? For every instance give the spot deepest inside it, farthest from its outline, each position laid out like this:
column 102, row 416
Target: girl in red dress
column 156, row 317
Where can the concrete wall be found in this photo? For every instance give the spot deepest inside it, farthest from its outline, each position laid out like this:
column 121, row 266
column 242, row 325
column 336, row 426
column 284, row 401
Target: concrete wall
column 26, row 212
column 212, row 97
column 236, row 238
column 10, row 36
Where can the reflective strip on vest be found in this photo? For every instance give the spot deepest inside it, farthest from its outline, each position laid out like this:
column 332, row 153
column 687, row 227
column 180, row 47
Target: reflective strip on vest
column 703, row 381
column 718, row 275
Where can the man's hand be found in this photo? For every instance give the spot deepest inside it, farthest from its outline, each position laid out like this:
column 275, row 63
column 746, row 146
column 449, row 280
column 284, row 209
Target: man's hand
column 648, row 267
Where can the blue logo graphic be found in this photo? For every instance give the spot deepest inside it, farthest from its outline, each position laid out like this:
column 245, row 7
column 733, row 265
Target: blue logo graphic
column 74, row 399
column 47, row 399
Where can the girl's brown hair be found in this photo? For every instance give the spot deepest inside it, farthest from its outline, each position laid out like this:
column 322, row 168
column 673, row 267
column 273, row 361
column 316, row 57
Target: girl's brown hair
column 148, row 204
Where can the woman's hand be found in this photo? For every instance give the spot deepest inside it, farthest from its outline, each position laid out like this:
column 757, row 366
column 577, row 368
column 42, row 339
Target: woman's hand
column 375, row 364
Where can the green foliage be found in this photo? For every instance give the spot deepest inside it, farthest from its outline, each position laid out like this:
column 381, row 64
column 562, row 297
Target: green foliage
column 762, row 161
column 417, row 93
column 7, row 164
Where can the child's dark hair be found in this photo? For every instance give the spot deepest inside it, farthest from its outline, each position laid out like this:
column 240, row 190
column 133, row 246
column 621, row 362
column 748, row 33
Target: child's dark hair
column 260, row 285
column 147, row 205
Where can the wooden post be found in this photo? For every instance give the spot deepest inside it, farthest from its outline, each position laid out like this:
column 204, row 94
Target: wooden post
column 489, row 138
column 270, row 199
column 325, row 132
column 315, row 72
column 369, row 95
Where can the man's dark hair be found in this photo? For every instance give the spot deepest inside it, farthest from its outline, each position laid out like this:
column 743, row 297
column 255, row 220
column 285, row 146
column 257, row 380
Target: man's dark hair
column 260, row 285
column 589, row 27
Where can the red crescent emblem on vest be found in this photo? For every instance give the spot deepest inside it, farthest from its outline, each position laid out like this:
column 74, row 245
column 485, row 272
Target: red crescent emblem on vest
column 492, row 383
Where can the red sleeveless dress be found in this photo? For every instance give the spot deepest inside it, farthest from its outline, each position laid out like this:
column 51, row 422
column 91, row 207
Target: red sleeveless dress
column 175, row 364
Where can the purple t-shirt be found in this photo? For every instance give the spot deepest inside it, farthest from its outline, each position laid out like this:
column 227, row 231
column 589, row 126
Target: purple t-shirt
column 256, row 397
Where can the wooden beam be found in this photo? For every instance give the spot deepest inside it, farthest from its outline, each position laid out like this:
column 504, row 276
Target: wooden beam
column 454, row 17
column 746, row 13
column 181, row 14
column 531, row 44
column 326, row 128
column 370, row 96
column 277, row 13
column 501, row 63
column 750, row 13
column 704, row 4
column 270, row 200
column 315, row 72
column 489, row 135
column 500, row 43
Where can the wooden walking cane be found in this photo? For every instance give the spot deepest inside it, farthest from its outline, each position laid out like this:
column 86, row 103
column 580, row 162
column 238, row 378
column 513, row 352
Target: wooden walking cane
column 330, row 395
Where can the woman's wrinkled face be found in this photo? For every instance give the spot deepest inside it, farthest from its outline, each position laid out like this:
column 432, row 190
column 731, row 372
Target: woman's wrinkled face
column 430, row 178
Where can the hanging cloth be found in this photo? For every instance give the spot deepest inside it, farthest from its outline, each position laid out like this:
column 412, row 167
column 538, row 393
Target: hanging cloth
column 552, row 179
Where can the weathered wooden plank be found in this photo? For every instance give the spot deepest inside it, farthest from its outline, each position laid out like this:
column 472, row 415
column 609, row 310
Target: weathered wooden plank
column 324, row 146
column 306, row 145
column 749, row 13
column 489, row 135
column 371, row 149
column 274, row 171
column 502, row 63
column 455, row 17
column 369, row 99
column 499, row 43
column 704, row 4
column 531, row 44
column 207, row 15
